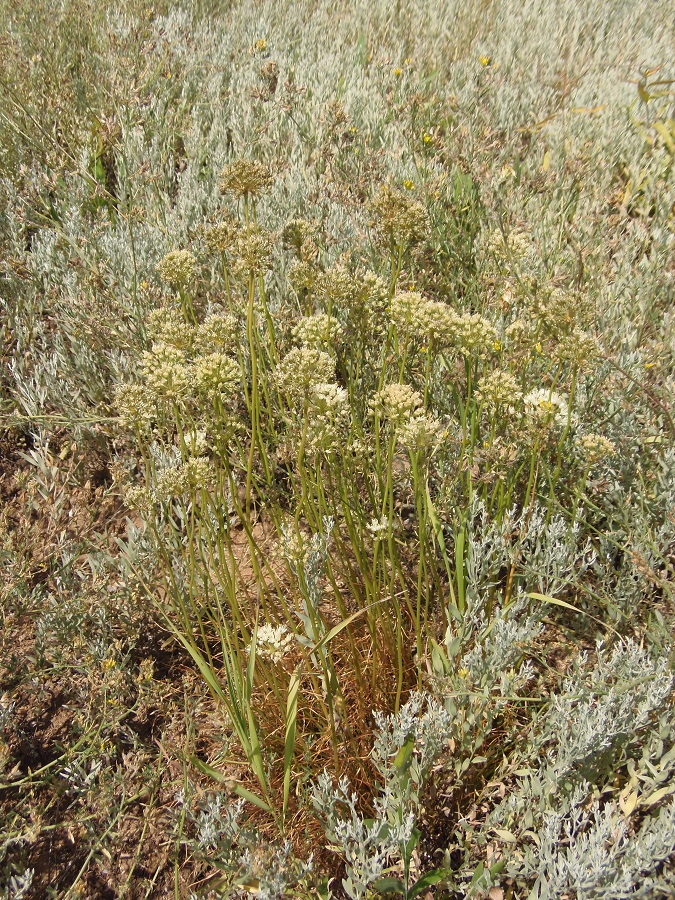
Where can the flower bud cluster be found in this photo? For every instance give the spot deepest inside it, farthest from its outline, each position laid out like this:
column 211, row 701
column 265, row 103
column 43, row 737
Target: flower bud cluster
column 218, row 331
column 545, row 409
column 596, row 447
column 499, row 392
column 245, row 178
column 176, row 481
column 274, row 642
column 166, row 372
column 398, row 217
column 396, row 403
column 253, row 252
column 421, row 433
column 136, row 405
column 177, row 268
column 328, row 417
column 168, row 326
column 222, row 236
column 320, row 330
column 301, row 370
column 215, row 375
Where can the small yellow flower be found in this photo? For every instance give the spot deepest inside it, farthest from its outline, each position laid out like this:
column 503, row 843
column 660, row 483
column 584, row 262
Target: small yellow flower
column 484, row 60
column 649, row 365
column 427, row 137
column 497, row 345
column 463, row 672
column 408, row 184
column 398, row 72
column 538, row 347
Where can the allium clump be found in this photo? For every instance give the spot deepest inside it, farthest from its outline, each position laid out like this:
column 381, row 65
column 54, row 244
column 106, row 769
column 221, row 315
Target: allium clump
column 178, row 480
column 216, row 375
column 440, row 322
column 302, row 369
column 177, row 267
column 274, row 642
column 136, row 405
column 254, row 250
column 168, row 326
column 218, row 331
column 245, row 178
column 499, row 391
column 398, row 217
column 578, row 347
column 328, row 416
column 421, row 433
column 318, row 330
column 166, row 372
column 596, row 447
column 396, row 403
column 297, row 234
column 222, row 236
column 406, row 312
column 476, row 336
column 546, row 409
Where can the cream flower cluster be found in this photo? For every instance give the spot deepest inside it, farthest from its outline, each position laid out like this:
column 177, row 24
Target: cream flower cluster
column 301, row 370
column 596, row 447
column 499, row 391
column 274, row 642
column 245, row 178
column 398, row 217
column 218, row 331
column 319, row 330
column 177, row 267
column 396, row 403
column 546, row 409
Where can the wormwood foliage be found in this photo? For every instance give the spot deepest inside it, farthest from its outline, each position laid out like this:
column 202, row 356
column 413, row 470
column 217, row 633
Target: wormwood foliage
column 338, row 522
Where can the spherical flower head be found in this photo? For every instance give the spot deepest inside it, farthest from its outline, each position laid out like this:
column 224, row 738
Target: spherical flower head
column 166, row 372
column 440, row 322
column 398, row 217
column 499, row 392
column 319, row 330
column 476, row 336
column 303, row 274
column 137, row 497
column 378, row 527
column 177, row 268
column 545, row 409
column 177, row 481
column 172, row 481
column 520, row 334
column 337, row 287
column 222, row 236
column 218, row 331
column 578, row 347
column 297, row 234
column 596, row 447
column 301, row 370
column 406, row 312
column 421, row 433
column 216, row 375
column 396, row 403
column 328, row 416
column 274, row 643
column 199, row 472
column 136, row 405
column 254, row 252
column 562, row 311
column 245, row 178
column 168, row 326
